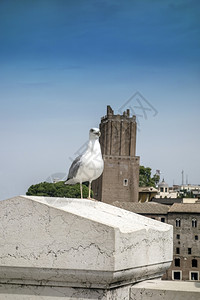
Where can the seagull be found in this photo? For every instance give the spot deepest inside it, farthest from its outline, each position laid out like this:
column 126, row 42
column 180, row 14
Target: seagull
column 88, row 166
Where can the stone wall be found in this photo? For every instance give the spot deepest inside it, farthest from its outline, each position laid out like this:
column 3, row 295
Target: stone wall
column 120, row 170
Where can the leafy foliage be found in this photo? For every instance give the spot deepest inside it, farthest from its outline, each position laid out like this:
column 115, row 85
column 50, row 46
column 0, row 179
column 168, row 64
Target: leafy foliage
column 58, row 189
column 145, row 178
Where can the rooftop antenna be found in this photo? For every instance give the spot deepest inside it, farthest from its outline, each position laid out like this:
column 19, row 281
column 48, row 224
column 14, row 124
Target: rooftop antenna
column 182, row 177
column 158, row 173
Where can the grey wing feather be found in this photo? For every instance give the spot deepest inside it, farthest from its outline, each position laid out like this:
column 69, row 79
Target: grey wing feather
column 74, row 167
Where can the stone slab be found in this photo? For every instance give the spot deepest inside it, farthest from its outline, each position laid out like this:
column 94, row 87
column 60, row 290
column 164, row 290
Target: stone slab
column 25, row 292
column 165, row 290
column 147, row 290
column 79, row 243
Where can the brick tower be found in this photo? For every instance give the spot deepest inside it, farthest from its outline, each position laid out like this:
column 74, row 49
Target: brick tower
column 120, row 178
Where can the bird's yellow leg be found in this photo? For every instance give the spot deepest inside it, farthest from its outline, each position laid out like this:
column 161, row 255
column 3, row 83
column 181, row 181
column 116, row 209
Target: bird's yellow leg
column 89, row 190
column 81, row 190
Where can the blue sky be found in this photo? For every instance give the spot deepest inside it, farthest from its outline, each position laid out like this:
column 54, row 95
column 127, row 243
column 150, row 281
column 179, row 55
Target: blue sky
column 61, row 64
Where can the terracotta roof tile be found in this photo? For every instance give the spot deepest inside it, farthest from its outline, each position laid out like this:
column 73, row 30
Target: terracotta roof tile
column 185, row 207
column 143, row 208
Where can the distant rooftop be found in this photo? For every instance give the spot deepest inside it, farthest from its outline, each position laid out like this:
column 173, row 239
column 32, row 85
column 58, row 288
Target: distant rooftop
column 185, row 208
column 163, row 184
column 143, row 208
column 167, row 201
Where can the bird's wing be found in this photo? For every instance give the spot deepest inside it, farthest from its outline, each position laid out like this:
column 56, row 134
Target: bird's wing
column 74, row 167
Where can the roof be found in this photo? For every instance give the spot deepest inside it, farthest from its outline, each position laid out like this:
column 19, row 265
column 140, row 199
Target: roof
column 167, row 201
column 147, row 189
column 143, row 208
column 185, row 208
column 163, row 184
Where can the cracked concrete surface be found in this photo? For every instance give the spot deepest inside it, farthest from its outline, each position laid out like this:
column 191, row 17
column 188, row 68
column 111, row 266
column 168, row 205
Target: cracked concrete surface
column 78, row 244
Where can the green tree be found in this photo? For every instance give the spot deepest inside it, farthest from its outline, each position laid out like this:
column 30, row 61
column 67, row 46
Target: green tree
column 58, row 189
column 145, row 178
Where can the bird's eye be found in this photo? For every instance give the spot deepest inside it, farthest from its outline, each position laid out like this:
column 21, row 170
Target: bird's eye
column 91, row 130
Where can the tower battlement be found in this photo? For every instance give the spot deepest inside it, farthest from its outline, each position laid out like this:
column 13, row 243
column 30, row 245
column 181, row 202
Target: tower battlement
column 111, row 116
column 118, row 133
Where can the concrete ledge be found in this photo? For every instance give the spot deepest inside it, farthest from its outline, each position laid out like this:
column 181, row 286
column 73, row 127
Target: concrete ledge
column 79, row 242
column 165, row 290
column 79, row 278
column 31, row 292
column 147, row 290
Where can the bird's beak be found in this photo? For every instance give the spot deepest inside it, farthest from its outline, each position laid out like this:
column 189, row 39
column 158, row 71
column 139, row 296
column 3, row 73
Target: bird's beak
column 98, row 133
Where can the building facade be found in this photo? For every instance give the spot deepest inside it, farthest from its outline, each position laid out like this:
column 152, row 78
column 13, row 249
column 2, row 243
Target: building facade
column 185, row 219
column 120, row 178
column 164, row 191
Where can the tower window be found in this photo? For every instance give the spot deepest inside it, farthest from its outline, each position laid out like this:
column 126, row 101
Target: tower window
column 194, row 223
column 177, row 250
column 196, row 237
column 189, row 250
column 162, row 220
column 165, row 190
column 178, row 223
column 161, row 189
column 125, row 182
column 178, row 236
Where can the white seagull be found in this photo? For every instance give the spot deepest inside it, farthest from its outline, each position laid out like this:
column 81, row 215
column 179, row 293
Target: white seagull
column 89, row 165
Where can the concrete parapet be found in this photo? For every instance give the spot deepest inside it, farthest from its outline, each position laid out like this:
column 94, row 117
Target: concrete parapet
column 165, row 290
column 60, row 246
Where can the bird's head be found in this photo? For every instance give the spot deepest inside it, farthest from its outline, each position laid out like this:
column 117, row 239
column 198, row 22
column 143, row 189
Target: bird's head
column 94, row 133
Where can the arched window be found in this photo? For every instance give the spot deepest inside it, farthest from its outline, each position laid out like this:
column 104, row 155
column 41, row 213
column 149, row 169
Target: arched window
column 194, row 263
column 194, row 222
column 178, row 223
column 177, row 262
